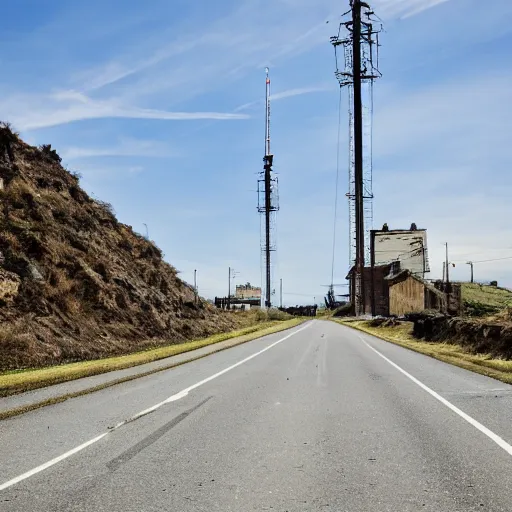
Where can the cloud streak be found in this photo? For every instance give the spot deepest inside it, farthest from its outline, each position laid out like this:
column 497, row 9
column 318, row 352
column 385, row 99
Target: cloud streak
column 26, row 115
column 126, row 147
column 404, row 9
column 289, row 93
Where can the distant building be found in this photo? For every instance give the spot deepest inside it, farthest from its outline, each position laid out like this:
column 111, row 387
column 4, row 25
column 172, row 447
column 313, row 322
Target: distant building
column 394, row 283
column 390, row 291
column 246, row 291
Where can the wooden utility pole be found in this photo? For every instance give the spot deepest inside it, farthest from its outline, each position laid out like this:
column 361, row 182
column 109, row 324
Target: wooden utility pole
column 229, row 288
column 447, row 266
column 470, row 263
column 195, row 286
column 358, row 159
column 358, row 70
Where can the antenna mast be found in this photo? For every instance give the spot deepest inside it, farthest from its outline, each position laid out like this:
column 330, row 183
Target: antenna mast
column 357, row 71
column 268, row 201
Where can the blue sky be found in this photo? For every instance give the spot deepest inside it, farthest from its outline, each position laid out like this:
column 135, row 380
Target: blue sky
column 159, row 107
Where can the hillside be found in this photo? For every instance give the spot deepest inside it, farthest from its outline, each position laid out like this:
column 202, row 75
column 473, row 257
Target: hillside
column 481, row 300
column 74, row 282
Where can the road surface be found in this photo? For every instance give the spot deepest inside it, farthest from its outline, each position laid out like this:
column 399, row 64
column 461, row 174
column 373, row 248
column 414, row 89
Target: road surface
column 317, row 418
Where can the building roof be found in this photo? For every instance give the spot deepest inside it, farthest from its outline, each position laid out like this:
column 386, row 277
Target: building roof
column 367, row 269
column 397, row 230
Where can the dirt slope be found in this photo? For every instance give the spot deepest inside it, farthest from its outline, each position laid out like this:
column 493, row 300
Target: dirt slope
column 74, row 282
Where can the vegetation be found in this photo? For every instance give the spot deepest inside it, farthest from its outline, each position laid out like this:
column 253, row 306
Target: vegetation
column 401, row 334
column 483, row 300
column 75, row 283
column 19, row 381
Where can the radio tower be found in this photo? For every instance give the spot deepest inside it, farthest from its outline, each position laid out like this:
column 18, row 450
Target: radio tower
column 268, row 201
column 357, row 72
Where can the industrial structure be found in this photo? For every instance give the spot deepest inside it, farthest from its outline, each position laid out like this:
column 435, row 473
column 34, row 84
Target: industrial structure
column 394, row 283
column 246, row 291
column 268, row 204
column 356, row 69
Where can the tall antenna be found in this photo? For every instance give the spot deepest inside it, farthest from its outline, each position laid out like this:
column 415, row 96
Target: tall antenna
column 357, row 72
column 268, row 201
column 267, row 113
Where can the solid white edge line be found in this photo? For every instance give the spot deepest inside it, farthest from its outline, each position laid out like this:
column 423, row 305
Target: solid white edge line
column 173, row 398
column 489, row 433
column 50, row 463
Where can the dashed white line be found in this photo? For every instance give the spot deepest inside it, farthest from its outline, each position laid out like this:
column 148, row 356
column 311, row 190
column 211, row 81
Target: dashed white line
column 177, row 396
column 482, row 428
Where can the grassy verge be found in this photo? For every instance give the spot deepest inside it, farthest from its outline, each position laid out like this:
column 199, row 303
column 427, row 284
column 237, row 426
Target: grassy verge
column 453, row 354
column 18, row 382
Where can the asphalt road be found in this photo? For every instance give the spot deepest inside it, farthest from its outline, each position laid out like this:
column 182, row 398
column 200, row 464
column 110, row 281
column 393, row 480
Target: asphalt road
column 327, row 419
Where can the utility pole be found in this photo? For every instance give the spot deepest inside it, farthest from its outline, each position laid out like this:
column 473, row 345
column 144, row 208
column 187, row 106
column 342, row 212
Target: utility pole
column 268, row 170
column 470, row 263
column 147, row 231
column 447, row 266
column 229, row 288
column 267, row 199
column 195, row 286
column 358, row 156
column 281, row 292
column 357, row 71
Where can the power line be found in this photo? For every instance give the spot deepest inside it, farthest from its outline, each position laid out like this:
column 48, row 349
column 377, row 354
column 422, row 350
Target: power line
column 495, row 259
column 300, row 294
column 336, row 192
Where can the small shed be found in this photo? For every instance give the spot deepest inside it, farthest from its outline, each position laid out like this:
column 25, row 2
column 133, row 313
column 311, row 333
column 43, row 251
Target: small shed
column 409, row 293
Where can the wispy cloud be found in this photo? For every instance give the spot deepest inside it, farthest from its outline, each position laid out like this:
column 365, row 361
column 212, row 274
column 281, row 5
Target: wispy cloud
column 115, row 71
column 289, row 93
column 404, row 8
column 26, row 113
column 125, row 147
column 423, row 6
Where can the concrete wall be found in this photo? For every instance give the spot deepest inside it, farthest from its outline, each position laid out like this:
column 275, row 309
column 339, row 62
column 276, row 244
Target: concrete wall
column 407, row 296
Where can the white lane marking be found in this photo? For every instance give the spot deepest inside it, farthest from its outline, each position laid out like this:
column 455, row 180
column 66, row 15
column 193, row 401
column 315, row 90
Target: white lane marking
column 489, row 433
column 172, row 398
column 50, row 463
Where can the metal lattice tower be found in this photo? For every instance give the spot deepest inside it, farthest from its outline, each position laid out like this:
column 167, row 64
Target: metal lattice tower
column 268, row 205
column 361, row 36
column 369, row 62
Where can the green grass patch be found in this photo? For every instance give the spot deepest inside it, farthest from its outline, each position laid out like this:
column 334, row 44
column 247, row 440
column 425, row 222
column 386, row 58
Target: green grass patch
column 449, row 353
column 482, row 300
column 18, row 382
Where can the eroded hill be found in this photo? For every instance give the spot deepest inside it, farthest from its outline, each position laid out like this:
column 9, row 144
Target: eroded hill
column 74, row 282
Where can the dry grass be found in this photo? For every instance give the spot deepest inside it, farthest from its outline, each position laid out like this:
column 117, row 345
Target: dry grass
column 20, row 381
column 453, row 354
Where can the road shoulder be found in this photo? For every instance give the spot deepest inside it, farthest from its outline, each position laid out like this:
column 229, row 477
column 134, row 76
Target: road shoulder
column 21, row 403
column 449, row 353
